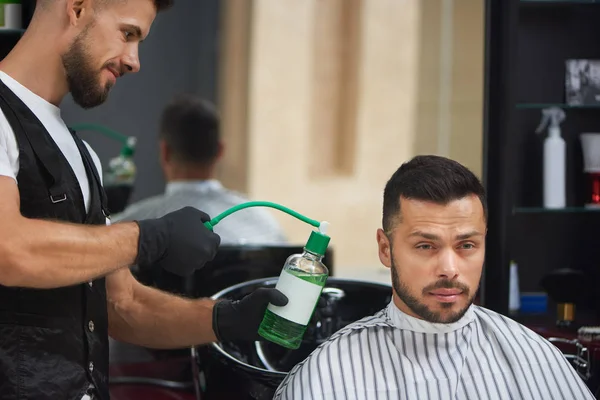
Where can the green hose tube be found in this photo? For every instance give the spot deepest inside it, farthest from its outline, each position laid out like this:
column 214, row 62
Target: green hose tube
column 210, row 224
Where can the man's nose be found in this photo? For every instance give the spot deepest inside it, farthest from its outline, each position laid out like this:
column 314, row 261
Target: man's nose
column 131, row 62
column 448, row 264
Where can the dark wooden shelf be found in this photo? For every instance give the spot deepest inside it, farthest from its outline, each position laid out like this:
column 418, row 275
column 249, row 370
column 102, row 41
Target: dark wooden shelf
column 539, row 106
column 566, row 210
column 527, row 44
column 559, row 2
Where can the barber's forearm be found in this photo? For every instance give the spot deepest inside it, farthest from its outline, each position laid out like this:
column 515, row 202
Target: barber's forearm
column 45, row 254
column 155, row 319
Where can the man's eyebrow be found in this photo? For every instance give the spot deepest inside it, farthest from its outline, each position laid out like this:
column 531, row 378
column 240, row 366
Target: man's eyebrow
column 431, row 236
column 468, row 235
column 135, row 29
column 425, row 235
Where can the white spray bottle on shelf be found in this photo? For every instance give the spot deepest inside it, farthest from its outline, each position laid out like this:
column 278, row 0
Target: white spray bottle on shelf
column 554, row 158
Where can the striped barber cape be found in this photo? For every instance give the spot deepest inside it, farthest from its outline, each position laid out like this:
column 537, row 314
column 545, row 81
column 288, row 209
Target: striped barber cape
column 392, row 355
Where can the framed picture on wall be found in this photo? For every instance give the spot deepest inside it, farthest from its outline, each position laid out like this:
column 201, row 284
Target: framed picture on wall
column 582, row 82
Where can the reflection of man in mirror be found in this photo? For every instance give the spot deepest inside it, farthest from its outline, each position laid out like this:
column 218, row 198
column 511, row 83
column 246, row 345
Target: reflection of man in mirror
column 591, row 88
column 191, row 147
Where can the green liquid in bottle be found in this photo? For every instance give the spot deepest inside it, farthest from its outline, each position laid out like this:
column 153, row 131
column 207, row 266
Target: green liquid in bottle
column 284, row 332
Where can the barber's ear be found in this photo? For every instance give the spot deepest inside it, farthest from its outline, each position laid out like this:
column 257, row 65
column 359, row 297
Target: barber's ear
column 385, row 250
column 164, row 152
column 78, row 11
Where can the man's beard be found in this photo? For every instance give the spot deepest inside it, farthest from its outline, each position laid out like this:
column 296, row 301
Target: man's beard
column 421, row 309
column 83, row 79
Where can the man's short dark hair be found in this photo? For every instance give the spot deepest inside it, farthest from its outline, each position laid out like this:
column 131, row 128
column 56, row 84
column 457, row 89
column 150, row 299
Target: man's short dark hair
column 429, row 178
column 190, row 127
column 162, row 5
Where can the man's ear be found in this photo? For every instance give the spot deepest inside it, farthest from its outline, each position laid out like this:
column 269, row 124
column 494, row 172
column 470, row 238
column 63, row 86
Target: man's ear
column 220, row 151
column 78, row 11
column 385, row 249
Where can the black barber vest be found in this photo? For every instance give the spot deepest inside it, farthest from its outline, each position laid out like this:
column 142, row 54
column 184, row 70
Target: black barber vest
column 53, row 342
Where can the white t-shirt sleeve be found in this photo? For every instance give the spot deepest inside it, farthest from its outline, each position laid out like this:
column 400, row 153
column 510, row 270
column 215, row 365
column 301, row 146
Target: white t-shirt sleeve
column 9, row 151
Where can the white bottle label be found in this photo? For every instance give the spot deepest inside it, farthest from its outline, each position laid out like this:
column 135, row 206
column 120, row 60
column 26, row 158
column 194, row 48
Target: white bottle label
column 302, row 297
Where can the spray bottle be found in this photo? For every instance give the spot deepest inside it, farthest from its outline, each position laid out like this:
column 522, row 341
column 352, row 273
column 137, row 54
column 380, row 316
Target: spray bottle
column 121, row 170
column 302, row 280
column 119, row 176
column 554, row 158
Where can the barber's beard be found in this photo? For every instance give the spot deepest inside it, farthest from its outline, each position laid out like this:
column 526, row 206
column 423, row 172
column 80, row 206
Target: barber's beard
column 83, row 79
column 421, row 309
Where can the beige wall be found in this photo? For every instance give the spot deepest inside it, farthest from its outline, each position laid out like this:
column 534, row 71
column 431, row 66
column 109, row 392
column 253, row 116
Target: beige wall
column 465, row 102
column 325, row 146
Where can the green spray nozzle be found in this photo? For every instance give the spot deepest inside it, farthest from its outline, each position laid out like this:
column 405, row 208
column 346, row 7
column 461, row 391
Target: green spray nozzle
column 210, row 224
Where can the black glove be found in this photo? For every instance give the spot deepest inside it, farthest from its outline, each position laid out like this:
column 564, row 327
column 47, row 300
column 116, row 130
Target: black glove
column 177, row 242
column 239, row 320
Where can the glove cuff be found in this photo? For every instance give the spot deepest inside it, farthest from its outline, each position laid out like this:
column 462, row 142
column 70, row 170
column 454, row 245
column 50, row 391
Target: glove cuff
column 217, row 311
column 152, row 241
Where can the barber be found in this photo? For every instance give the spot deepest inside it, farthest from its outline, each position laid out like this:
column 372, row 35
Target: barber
column 65, row 284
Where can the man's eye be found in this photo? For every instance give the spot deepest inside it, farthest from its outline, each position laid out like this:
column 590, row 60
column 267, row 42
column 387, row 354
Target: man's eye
column 424, row 246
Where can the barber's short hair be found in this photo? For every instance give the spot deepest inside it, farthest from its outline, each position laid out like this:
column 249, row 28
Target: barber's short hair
column 190, row 127
column 161, row 5
column 429, row 178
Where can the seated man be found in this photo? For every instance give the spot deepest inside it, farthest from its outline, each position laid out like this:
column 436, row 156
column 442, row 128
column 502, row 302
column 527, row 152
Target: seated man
column 190, row 147
column 431, row 341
